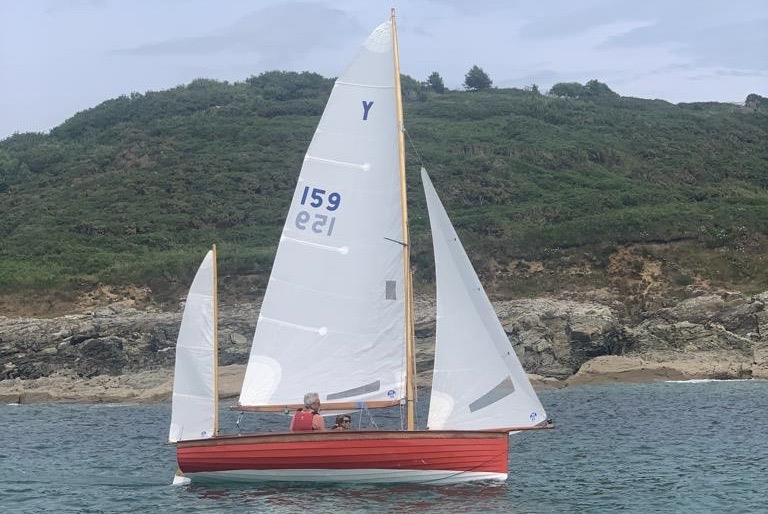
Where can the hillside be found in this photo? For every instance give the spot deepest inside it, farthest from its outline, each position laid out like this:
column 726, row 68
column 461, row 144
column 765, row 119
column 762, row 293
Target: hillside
column 548, row 193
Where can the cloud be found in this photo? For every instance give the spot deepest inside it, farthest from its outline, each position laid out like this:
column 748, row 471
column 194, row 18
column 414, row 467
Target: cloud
column 479, row 8
column 278, row 34
column 740, row 73
column 54, row 7
column 684, row 50
column 742, row 45
column 563, row 20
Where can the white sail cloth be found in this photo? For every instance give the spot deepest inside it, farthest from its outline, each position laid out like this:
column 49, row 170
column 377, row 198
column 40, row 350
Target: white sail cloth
column 478, row 382
column 332, row 320
column 193, row 409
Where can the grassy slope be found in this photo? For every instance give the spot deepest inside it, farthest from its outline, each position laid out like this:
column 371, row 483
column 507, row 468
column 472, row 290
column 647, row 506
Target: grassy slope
column 135, row 189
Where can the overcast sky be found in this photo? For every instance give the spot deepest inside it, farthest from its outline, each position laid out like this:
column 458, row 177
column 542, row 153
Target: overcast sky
column 58, row 57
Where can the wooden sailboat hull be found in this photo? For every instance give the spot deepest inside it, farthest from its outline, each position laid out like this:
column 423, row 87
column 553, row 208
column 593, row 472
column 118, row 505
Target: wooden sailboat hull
column 356, row 457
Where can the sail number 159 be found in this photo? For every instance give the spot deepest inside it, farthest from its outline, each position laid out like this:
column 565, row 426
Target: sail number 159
column 317, row 198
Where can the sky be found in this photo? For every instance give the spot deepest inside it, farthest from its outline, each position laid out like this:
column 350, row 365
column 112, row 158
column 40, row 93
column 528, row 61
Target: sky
column 58, row 57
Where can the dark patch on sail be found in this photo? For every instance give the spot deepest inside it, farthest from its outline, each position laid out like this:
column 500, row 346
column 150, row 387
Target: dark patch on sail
column 504, row 389
column 363, row 389
column 391, row 290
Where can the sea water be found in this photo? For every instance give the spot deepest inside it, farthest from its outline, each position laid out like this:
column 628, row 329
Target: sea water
column 663, row 447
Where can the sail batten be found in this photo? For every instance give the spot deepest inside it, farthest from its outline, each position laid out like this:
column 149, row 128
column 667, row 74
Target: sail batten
column 327, row 324
column 478, row 381
column 328, row 406
column 360, row 84
column 365, row 166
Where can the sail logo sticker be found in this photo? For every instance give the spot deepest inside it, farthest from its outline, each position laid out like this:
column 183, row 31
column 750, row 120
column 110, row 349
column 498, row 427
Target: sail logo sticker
column 366, row 109
column 391, row 393
column 534, row 415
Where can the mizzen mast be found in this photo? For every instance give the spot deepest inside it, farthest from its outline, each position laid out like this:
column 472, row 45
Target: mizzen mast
column 410, row 353
column 215, row 344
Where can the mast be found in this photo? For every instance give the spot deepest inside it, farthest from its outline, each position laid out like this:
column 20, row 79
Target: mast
column 215, row 345
column 410, row 354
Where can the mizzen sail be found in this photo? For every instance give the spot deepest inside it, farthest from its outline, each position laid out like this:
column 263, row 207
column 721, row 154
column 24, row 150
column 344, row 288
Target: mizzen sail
column 332, row 319
column 194, row 405
column 478, row 382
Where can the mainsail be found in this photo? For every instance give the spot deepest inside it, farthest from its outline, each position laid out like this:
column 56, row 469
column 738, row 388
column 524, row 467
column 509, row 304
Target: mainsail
column 332, row 319
column 478, row 382
column 194, row 406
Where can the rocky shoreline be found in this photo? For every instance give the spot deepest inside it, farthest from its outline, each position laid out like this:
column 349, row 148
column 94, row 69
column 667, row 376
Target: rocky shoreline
column 124, row 352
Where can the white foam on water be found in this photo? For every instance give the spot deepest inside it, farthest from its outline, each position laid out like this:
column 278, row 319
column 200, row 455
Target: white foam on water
column 180, row 480
column 113, row 405
column 705, row 380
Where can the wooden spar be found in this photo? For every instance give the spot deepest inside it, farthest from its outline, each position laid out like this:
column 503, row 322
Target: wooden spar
column 325, row 406
column 410, row 368
column 215, row 344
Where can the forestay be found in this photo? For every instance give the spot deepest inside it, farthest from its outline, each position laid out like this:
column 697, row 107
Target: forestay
column 478, row 382
column 332, row 320
column 194, row 405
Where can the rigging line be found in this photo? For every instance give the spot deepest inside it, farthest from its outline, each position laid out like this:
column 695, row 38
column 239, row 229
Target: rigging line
column 413, row 147
column 237, row 423
column 423, row 165
column 370, row 417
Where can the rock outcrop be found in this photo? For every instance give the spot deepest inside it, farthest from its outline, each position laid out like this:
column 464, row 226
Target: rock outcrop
column 721, row 336
column 110, row 341
column 121, row 353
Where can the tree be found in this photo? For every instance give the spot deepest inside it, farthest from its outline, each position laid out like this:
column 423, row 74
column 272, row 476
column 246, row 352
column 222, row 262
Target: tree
column 435, row 83
column 592, row 89
column 412, row 89
column 597, row 88
column 476, row 79
column 754, row 101
column 569, row 89
column 288, row 85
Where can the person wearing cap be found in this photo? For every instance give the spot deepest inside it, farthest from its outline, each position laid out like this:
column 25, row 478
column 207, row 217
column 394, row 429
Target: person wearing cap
column 343, row 422
column 308, row 418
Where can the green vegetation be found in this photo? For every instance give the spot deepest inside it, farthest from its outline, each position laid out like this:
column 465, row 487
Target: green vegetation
column 592, row 89
column 755, row 101
column 477, row 80
column 137, row 188
column 435, row 83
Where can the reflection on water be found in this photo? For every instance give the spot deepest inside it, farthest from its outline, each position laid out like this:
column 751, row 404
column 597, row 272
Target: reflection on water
column 406, row 498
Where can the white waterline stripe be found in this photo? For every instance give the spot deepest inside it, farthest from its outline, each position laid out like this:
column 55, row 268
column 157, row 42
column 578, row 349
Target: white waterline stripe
column 359, row 475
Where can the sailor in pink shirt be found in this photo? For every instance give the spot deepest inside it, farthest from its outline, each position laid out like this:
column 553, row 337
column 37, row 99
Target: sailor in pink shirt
column 308, row 418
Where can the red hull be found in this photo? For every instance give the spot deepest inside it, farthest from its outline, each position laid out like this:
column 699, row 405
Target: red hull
column 430, row 450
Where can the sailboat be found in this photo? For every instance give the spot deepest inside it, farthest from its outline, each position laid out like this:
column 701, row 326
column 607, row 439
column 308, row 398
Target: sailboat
column 337, row 318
